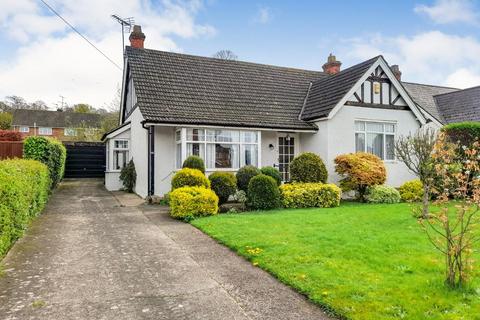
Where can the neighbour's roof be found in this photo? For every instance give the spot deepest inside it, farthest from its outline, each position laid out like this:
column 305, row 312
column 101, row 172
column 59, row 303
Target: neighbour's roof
column 179, row 88
column 423, row 95
column 459, row 106
column 328, row 91
column 54, row 119
column 184, row 89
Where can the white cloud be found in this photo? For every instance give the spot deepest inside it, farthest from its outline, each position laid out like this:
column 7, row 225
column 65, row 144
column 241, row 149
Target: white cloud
column 51, row 59
column 263, row 16
column 450, row 11
column 431, row 57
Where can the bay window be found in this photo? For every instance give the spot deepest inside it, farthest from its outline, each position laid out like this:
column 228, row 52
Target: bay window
column 219, row 148
column 120, row 154
column 376, row 137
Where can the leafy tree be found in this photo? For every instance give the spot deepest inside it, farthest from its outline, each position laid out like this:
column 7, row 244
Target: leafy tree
column 415, row 150
column 225, row 55
column 83, row 108
column 5, row 120
column 109, row 122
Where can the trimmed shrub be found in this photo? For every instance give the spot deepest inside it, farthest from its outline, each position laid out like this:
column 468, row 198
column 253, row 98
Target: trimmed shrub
column 360, row 170
column 48, row 151
column 5, row 120
column 244, row 174
column 224, row 184
column 411, row 191
column 263, row 193
column 382, row 194
column 8, row 135
column 310, row 195
column 465, row 133
column 272, row 172
column 308, row 167
column 24, row 190
column 194, row 162
column 128, row 175
column 189, row 178
column 190, row 202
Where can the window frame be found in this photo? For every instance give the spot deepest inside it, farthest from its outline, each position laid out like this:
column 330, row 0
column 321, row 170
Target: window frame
column 181, row 143
column 115, row 148
column 23, row 127
column 384, row 133
column 65, row 130
column 50, row 130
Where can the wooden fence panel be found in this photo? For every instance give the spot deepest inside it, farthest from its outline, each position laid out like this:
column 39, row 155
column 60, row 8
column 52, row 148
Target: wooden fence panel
column 11, row 149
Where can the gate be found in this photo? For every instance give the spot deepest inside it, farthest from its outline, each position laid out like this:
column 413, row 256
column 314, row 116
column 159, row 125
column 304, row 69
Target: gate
column 85, row 160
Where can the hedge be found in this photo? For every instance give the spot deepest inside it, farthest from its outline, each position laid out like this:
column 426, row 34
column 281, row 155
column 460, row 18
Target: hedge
column 310, row 195
column 411, row 191
column 189, row 178
column 50, row 152
column 9, row 135
column 189, row 202
column 224, row 184
column 244, row 174
column 464, row 132
column 272, row 172
column 24, row 190
column 382, row 194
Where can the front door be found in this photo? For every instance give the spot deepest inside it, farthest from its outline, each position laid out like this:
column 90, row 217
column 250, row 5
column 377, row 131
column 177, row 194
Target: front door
column 286, row 153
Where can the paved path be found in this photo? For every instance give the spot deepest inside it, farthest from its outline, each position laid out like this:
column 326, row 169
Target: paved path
column 87, row 257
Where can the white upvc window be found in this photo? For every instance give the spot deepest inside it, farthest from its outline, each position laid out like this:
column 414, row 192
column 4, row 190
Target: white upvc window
column 220, row 149
column 24, row 129
column 70, row 132
column 120, row 152
column 45, row 131
column 376, row 137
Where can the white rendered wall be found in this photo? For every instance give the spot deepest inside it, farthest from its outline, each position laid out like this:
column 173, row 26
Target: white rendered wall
column 138, row 152
column 112, row 177
column 165, row 149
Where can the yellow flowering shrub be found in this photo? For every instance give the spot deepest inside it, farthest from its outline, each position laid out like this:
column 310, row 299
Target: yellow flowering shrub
column 309, row 195
column 188, row 202
column 189, row 177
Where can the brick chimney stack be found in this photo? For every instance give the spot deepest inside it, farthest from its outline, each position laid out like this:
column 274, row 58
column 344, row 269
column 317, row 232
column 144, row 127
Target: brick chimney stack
column 396, row 72
column 137, row 37
column 332, row 66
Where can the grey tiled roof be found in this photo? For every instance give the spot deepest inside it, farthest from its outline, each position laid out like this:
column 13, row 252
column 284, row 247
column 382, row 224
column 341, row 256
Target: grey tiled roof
column 423, row 94
column 459, row 106
column 55, row 119
column 328, row 91
column 179, row 88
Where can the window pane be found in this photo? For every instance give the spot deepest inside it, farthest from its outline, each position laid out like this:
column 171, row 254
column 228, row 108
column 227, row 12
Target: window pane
column 389, row 127
column 195, row 135
column 250, row 155
column 359, row 126
column 359, row 142
column 375, row 144
column 196, row 149
column 226, row 156
column 210, row 156
column 179, row 155
column 390, row 147
column 227, row 136
column 249, row 137
column 375, row 126
column 210, row 135
column 121, row 144
column 119, row 159
column 178, row 135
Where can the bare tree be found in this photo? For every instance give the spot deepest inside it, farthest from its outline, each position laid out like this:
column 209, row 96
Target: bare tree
column 225, row 55
column 16, row 102
column 415, row 150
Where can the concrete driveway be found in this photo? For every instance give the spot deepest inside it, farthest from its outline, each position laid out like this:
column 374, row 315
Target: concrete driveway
column 89, row 257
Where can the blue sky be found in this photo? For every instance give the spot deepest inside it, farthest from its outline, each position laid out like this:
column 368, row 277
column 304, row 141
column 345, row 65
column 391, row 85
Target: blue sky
column 435, row 41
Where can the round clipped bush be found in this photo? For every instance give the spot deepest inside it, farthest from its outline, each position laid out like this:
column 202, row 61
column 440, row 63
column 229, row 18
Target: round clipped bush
column 244, row 174
column 272, row 172
column 382, row 194
column 411, row 191
column 189, row 177
column 263, row 193
column 194, row 162
column 308, row 167
column 359, row 171
column 224, row 184
column 189, row 202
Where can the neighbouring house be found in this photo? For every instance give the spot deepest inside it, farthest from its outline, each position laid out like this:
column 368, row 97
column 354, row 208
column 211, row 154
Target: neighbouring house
column 235, row 113
column 65, row 126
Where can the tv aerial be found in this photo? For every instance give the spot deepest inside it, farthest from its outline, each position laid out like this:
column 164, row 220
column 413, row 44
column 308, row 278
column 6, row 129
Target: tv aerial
column 127, row 24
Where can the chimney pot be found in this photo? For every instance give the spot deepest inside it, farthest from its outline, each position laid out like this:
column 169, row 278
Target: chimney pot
column 137, row 37
column 332, row 66
column 396, row 72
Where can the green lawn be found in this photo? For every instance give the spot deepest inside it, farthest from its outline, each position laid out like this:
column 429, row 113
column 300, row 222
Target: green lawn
column 362, row 261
